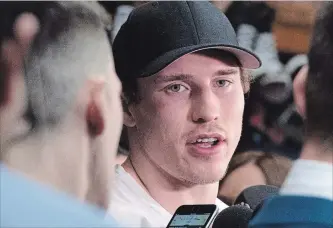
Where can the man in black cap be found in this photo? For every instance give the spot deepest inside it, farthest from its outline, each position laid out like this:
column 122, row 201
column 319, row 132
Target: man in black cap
column 184, row 82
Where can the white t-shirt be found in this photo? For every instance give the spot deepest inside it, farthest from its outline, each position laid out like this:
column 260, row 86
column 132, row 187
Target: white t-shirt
column 132, row 206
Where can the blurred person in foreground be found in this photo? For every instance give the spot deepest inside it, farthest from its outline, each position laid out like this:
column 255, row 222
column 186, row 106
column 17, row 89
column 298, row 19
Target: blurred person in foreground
column 252, row 168
column 183, row 107
column 60, row 115
column 306, row 197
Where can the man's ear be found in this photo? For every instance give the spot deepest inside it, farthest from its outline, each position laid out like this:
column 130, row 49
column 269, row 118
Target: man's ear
column 129, row 119
column 94, row 112
column 247, row 78
column 299, row 85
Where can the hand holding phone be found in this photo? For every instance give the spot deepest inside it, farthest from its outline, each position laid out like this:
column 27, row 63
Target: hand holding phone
column 193, row 216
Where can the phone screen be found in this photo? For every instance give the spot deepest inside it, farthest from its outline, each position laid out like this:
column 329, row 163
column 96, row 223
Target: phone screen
column 193, row 216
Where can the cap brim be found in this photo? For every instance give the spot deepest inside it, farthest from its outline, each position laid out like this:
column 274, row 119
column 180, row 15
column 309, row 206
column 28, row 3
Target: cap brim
column 247, row 59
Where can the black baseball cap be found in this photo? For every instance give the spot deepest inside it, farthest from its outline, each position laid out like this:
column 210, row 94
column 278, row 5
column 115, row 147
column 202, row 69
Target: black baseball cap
column 157, row 33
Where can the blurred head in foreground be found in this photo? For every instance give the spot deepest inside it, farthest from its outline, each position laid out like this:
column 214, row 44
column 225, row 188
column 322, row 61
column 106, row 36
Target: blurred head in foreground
column 313, row 90
column 60, row 110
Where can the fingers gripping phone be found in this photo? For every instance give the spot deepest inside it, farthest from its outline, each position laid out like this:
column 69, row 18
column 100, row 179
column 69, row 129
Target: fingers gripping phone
column 193, row 216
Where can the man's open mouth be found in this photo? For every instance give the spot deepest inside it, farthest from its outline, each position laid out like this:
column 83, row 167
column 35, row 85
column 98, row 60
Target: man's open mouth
column 206, row 142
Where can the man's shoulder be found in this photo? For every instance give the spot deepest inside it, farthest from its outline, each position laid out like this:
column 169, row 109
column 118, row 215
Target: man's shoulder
column 131, row 213
column 287, row 210
column 125, row 189
column 132, row 206
column 25, row 203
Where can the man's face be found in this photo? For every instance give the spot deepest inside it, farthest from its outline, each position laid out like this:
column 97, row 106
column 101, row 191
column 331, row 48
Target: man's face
column 189, row 118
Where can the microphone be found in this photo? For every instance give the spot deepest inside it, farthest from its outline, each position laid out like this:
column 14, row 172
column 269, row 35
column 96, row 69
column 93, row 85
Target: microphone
column 245, row 207
column 237, row 216
column 255, row 195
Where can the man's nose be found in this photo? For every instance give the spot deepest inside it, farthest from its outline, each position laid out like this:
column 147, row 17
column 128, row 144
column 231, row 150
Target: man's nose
column 206, row 107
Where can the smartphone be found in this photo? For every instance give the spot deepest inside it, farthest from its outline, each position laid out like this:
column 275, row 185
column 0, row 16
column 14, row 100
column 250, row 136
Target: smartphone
column 194, row 216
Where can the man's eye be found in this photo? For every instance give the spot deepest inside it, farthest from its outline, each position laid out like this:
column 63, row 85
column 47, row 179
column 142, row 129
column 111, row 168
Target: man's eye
column 223, row 83
column 176, row 88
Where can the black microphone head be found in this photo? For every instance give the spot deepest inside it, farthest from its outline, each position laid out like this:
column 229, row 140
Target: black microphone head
column 255, row 195
column 237, row 216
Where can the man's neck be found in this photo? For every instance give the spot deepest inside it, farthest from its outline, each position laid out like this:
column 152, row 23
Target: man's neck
column 49, row 160
column 168, row 191
column 317, row 151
